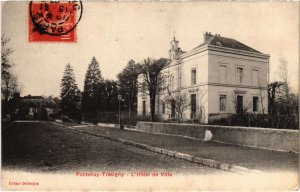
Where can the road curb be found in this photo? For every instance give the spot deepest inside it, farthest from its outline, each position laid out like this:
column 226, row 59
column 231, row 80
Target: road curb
column 187, row 157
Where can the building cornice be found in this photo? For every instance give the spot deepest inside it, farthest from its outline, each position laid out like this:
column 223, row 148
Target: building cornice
column 237, row 86
column 224, row 50
column 223, row 85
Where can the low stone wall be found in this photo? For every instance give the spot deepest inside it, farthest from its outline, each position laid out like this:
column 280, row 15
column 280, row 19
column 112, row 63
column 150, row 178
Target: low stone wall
column 266, row 138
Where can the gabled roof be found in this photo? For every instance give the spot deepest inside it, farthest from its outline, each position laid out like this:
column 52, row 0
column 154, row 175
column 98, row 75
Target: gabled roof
column 33, row 97
column 217, row 40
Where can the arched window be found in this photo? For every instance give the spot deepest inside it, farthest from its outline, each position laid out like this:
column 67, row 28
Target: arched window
column 172, row 83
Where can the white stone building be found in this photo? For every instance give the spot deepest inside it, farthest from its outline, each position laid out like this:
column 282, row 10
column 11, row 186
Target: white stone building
column 221, row 76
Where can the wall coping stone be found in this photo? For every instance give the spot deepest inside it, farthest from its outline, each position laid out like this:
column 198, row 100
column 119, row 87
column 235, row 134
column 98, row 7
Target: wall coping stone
column 228, row 127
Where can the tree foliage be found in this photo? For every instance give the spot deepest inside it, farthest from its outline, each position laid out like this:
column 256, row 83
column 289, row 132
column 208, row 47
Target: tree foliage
column 6, row 64
column 180, row 102
column 109, row 95
column 274, row 93
column 153, row 79
column 9, row 82
column 281, row 100
column 127, row 81
column 92, row 88
column 69, row 91
column 283, row 74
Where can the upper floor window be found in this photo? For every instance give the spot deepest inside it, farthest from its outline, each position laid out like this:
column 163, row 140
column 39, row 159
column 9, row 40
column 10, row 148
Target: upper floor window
column 193, row 75
column 254, row 78
column 179, row 77
column 240, row 75
column 164, row 82
column 144, row 87
column 172, row 83
column 222, row 74
column 163, row 108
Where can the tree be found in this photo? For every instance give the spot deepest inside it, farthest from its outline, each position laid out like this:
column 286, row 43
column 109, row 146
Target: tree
column 153, row 79
column 285, row 103
column 202, row 117
column 9, row 87
column 68, row 92
column 179, row 100
column 262, row 97
column 6, row 64
column 9, row 82
column 110, row 95
column 92, row 88
column 274, row 92
column 283, row 74
column 127, row 81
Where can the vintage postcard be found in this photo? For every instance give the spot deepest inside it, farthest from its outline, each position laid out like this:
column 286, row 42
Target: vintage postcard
column 142, row 96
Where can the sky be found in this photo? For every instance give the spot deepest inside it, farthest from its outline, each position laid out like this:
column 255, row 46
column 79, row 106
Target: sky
column 115, row 32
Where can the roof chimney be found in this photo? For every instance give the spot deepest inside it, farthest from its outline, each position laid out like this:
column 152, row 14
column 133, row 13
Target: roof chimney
column 207, row 35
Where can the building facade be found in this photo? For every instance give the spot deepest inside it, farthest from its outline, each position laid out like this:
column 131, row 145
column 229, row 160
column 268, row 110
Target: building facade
column 219, row 77
column 38, row 107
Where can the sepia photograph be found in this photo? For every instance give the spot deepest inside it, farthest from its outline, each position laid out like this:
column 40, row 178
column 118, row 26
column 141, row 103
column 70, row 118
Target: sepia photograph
column 149, row 95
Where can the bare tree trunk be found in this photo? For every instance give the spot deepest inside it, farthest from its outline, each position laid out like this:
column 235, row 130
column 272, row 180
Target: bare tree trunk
column 152, row 107
column 131, row 100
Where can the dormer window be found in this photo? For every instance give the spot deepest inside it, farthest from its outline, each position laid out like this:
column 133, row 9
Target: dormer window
column 219, row 43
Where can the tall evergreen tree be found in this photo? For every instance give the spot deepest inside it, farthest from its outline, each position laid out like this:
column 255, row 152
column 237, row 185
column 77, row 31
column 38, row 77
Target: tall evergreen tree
column 92, row 89
column 69, row 92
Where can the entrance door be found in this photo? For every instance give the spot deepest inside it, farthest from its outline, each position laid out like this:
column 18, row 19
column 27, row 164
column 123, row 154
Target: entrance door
column 144, row 108
column 193, row 106
column 239, row 101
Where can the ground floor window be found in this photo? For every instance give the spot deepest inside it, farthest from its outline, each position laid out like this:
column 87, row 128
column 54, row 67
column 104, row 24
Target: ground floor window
column 239, row 104
column 193, row 106
column 163, row 108
column 222, row 102
column 255, row 104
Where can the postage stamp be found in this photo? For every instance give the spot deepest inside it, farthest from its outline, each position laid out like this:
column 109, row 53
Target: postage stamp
column 53, row 21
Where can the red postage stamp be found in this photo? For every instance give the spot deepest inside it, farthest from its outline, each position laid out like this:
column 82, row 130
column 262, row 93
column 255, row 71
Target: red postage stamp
column 53, row 21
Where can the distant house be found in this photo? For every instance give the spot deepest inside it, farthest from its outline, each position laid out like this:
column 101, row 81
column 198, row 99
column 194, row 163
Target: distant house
column 38, row 107
column 220, row 76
